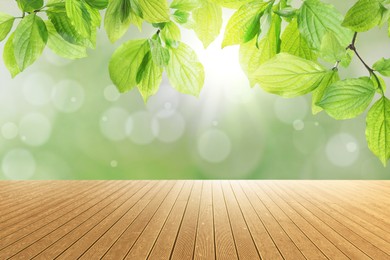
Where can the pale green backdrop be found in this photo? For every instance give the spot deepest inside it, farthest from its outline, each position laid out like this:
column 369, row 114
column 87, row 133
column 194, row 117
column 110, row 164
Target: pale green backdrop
column 63, row 119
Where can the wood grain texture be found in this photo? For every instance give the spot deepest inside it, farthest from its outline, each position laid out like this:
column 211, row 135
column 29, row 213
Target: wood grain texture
column 195, row 219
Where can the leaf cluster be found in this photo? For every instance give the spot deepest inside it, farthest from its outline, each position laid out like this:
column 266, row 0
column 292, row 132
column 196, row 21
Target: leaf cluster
column 285, row 50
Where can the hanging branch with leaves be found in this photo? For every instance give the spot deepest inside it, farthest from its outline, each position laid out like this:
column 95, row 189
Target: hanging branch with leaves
column 286, row 63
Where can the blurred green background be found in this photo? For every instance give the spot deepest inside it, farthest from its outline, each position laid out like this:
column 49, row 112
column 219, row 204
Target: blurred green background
column 64, row 119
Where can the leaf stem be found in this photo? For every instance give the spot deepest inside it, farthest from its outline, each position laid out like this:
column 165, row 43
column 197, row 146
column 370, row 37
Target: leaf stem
column 370, row 70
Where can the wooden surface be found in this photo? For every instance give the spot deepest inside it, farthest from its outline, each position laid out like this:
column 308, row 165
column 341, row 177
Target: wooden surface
column 195, row 220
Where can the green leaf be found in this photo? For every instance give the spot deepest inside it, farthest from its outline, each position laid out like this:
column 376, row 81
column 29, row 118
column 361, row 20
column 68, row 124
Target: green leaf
column 125, row 63
column 234, row 4
column 170, row 34
column 98, row 4
column 65, row 28
column 30, row 40
column 363, row 15
column 154, row 11
column 159, row 54
column 318, row 93
column 208, row 22
column 332, row 51
column 289, row 76
column 135, row 7
column 379, row 83
column 295, row 44
column 9, row 56
column 185, row 5
column 96, row 19
column 78, row 13
column 347, row 59
column 117, row 19
column 181, row 17
column 316, row 19
column 30, row 5
column 287, row 12
column 251, row 57
column 244, row 23
column 136, row 20
column 378, row 129
column 184, row 70
column 6, row 23
column 383, row 67
column 61, row 47
column 149, row 77
column 348, row 98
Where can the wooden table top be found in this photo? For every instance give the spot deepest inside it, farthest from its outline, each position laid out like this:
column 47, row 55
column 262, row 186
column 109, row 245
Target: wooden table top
column 195, row 219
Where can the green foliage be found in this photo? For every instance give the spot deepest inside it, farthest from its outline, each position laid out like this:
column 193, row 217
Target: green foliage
column 184, row 5
column 282, row 48
column 364, row 15
column 289, row 76
column 185, row 72
column 208, row 21
column 234, row 4
column 6, row 23
column 98, row 4
column 154, row 11
column 378, row 129
column 29, row 41
column 244, row 25
column 61, row 47
column 149, row 76
column 117, row 19
column 63, row 24
column 332, row 51
column 252, row 55
column 316, row 19
column 383, row 67
column 170, row 34
column 160, row 55
column 318, row 93
column 125, row 63
column 294, row 43
column 348, row 98
column 9, row 56
column 78, row 13
column 30, row 5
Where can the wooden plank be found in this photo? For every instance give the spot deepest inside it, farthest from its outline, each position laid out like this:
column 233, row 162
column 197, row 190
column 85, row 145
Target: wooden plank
column 100, row 247
column 355, row 206
column 195, row 220
column 22, row 191
column 303, row 243
column 22, row 231
column 263, row 240
column 204, row 241
column 88, row 222
column 163, row 247
column 320, row 221
column 138, row 196
column 127, row 239
column 185, row 241
column 225, row 247
column 146, row 240
column 246, row 248
column 284, row 243
column 61, row 226
column 24, row 209
column 378, row 202
column 326, row 246
column 351, row 222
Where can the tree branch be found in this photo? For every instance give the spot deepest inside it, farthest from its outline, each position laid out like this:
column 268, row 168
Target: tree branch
column 370, row 70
